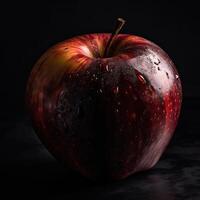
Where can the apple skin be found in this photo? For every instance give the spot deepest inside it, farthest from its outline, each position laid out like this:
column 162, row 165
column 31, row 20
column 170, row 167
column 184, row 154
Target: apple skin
column 105, row 117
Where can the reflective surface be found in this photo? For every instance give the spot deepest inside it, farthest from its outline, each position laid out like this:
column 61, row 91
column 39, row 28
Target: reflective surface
column 28, row 171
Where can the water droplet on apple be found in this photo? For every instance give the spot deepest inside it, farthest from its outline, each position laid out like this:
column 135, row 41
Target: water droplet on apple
column 141, row 78
column 107, row 68
column 167, row 75
column 177, row 76
column 117, row 110
column 100, row 91
column 116, row 90
column 157, row 62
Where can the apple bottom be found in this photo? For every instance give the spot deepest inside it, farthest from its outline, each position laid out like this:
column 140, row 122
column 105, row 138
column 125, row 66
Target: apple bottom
column 106, row 125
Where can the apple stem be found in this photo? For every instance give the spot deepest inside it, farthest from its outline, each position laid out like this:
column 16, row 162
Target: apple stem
column 120, row 23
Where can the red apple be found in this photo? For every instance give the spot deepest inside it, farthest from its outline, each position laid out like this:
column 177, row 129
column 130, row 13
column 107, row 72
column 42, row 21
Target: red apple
column 107, row 106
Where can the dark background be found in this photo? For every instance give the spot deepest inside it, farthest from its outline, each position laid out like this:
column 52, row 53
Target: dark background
column 28, row 29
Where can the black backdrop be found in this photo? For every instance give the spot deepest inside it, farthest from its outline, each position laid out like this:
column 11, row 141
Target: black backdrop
column 28, row 29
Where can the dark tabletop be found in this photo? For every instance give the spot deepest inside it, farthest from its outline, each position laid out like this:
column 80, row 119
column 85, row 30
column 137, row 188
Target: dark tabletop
column 28, row 171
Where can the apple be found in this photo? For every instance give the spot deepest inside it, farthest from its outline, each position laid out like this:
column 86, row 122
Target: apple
column 106, row 105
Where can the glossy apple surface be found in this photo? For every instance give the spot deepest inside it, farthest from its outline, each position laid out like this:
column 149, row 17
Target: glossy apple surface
column 105, row 117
